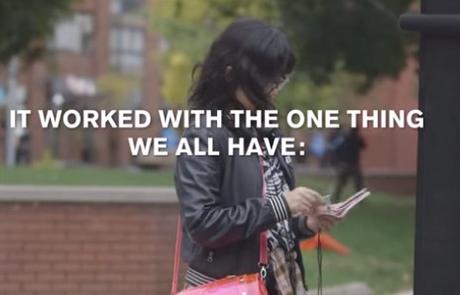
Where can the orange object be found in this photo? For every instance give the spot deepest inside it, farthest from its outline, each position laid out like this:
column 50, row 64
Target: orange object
column 327, row 243
column 230, row 285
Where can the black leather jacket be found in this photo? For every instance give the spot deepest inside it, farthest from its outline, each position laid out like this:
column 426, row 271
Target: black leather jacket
column 222, row 208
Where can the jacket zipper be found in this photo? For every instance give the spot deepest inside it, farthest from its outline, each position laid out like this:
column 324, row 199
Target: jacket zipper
column 210, row 258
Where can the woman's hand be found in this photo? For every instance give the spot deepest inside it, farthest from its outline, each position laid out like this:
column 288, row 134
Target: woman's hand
column 323, row 223
column 317, row 222
column 303, row 201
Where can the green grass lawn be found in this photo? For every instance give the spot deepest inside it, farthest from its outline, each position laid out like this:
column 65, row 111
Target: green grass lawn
column 84, row 176
column 380, row 232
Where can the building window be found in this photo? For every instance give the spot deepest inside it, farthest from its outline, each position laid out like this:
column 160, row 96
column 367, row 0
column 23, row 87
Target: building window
column 74, row 34
column 127, row 49
column 118, row 7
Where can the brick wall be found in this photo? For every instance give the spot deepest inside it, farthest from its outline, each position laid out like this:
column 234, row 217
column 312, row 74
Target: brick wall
column 392, row 150
column 83, row 248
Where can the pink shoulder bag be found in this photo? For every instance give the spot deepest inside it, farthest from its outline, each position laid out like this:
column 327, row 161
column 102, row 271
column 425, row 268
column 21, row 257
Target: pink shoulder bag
column 253, row 284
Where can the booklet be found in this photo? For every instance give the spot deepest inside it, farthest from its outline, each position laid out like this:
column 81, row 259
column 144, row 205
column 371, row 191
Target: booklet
column 340, row 210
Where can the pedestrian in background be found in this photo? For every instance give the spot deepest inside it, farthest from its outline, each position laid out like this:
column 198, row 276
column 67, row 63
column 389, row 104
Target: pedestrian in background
column 346, row 147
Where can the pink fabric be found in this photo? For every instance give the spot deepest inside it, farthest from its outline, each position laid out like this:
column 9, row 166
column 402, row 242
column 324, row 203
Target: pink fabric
column 232, row 285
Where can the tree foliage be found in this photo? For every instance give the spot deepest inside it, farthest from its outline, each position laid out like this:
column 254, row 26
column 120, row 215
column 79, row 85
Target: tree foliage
column 185, row 39
column 341, row 45
column 362, row 35
column 25, row 21
column 189, row 28
column 118, row 89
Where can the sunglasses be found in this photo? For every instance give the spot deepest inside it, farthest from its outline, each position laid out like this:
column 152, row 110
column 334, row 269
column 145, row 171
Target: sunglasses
column 276, row 87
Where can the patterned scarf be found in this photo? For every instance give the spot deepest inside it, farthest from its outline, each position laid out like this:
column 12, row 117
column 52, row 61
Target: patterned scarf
column 281, row 239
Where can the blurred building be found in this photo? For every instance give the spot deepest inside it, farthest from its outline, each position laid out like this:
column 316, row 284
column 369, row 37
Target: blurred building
column 100, row 57
column 108, row 43
column 390, row 159
column 392, row 149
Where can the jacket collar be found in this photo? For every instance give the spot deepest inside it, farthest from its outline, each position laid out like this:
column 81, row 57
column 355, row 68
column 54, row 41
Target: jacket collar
column 251, row 132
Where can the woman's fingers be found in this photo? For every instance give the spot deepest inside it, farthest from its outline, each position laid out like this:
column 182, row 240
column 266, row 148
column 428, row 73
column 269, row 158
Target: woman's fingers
column 306, row 207
column 311, row 194
column 315, row 195
column 311, row 198
column 327, row 222
column 302, row 200
column 322, row 209
column 299, row 201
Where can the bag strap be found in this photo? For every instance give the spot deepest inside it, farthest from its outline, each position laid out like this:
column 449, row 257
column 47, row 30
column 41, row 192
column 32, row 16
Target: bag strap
column 263, row 247
column 177, row 252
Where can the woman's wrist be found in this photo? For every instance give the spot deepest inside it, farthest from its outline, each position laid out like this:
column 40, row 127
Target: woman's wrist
column 311, row 224
column 304, row 230
column 280, row 207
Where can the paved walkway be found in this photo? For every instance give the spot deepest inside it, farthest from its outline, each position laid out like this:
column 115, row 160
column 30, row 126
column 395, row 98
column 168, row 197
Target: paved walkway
column 356, row 288
column 109, row 194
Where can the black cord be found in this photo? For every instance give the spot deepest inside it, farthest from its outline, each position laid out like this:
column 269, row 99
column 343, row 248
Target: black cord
column 319, row 259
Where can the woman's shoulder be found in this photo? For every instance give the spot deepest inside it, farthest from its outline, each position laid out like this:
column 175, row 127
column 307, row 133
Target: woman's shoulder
column 200, row 129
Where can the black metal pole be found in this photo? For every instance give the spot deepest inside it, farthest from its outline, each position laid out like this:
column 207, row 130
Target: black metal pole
column 437, row 241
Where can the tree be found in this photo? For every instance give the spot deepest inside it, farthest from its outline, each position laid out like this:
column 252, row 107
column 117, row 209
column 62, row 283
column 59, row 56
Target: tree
column 118, row 89
column 362, row 35
column 24, row 21
column 189, row 27
column 342, row 46
column 23, row 24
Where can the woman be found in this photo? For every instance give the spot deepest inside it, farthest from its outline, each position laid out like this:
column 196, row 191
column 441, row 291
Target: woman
column 222, row 207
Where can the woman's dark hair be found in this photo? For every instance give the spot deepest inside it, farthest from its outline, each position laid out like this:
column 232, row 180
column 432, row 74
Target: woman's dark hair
column 259, row 56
